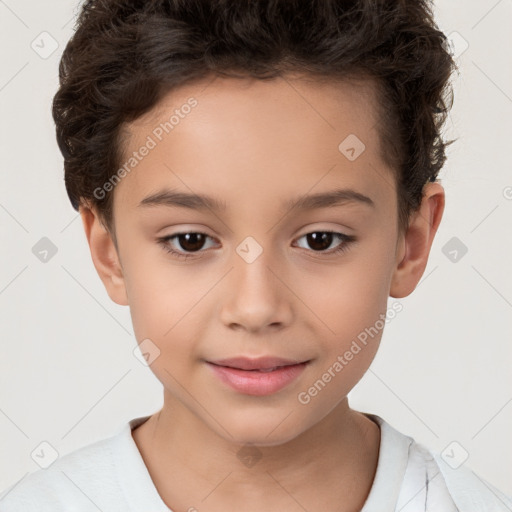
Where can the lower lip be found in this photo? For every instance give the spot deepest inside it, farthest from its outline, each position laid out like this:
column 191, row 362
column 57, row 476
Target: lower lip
column 254, row 382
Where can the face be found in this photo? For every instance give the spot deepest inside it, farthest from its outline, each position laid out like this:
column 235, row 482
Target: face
column 248, row 274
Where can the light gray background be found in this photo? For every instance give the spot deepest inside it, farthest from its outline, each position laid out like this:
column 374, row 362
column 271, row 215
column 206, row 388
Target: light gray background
column 67, row 372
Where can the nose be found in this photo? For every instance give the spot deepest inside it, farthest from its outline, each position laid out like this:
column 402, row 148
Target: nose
column 255, row 297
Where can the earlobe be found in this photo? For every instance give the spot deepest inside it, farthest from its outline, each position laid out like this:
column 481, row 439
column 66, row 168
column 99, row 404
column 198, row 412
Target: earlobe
column 104, row 255
column 414, row 247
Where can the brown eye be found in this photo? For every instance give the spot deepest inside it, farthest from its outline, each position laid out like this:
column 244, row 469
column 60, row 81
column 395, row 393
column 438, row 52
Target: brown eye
column 319, row 241
column 184, row 245
column 191, row 241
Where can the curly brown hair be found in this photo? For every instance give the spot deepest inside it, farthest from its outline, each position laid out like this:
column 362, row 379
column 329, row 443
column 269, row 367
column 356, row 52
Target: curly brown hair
column 125, row 55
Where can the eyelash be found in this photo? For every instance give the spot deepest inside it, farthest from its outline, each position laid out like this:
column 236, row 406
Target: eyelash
column 346, row 242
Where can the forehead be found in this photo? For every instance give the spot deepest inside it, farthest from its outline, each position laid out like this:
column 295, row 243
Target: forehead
column 268, row 139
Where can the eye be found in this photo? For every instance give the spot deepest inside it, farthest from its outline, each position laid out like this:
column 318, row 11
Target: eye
column 190, row 241
column 321, row 240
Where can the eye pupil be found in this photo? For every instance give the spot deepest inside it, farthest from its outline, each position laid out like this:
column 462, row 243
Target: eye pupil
column 193, row 241
column 319, row 240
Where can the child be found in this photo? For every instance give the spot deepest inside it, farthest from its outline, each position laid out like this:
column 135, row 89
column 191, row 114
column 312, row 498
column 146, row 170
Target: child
column 298, row 144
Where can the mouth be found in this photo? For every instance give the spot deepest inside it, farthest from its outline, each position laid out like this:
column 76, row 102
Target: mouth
column 257, row 377
column 263, row 370
column 263, row 364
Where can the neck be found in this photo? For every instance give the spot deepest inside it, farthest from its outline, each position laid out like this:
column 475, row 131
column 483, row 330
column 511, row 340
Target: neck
column 330, row 466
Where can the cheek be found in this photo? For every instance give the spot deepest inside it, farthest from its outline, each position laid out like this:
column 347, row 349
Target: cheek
column 349, row 297
column 350, row 302
column 166, row 307
column 158, row 294
column 352, row 309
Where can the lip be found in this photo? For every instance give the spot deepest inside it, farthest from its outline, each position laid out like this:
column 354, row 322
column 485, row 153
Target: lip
column 256, row 363
column 251, row 380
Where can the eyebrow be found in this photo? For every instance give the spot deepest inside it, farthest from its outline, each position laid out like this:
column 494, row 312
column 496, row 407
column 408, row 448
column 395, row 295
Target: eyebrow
column 174, row 198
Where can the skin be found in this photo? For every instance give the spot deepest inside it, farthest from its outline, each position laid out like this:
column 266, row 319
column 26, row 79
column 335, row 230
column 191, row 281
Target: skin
column 254, row 144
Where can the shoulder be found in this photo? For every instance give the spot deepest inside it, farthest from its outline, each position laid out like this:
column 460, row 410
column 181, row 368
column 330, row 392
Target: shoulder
column 79, row 480
column 469, row 490
column 424, row 480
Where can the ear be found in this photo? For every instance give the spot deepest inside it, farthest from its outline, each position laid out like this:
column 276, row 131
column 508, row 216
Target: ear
column 104, row 255
column 414, row 246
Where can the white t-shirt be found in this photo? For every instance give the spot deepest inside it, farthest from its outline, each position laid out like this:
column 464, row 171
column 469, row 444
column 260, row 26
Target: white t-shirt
column 110, row 475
